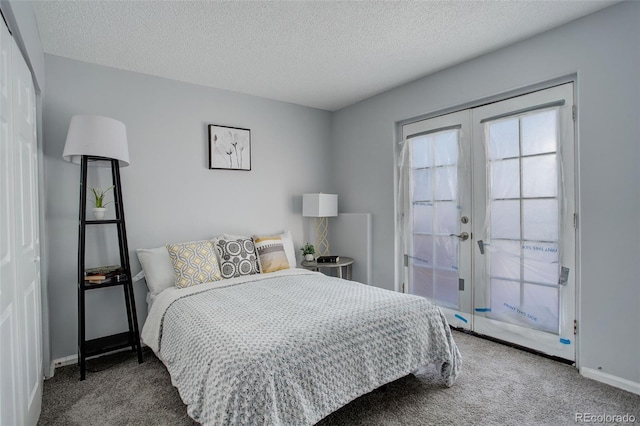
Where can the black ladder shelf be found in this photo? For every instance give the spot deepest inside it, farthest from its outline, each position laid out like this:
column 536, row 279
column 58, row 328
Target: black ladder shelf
column 130, row 338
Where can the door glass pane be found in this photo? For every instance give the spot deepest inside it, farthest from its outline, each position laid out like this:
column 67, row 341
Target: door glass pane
column 445, row 288
column 540, row 219
column 423, row 250
column 541, row 306
column 504, row 139
column 505, row 296
column 422, row 185
column 423, row 218
column 447, row 221
column 505, row 219
column 446, row 187
column 421, row 281
column 421, row 152
column 539, row 132
column 541, row 262
column 445, row 146
column 446, row 253
column 505, row 259
column 540, row 176
column 505, row 179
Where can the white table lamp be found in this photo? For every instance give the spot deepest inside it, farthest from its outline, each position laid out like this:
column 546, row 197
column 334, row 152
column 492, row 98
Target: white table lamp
column 320, row 206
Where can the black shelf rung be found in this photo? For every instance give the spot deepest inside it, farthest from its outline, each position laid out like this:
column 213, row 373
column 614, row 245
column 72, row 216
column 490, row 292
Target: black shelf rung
column 102, row 222
column 87, row 285
column 110, row 343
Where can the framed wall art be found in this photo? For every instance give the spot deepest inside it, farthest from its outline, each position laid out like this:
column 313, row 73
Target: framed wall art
column 229, row 148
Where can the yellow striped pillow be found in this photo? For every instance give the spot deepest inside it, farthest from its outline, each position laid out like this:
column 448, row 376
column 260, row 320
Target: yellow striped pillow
column 271, row 254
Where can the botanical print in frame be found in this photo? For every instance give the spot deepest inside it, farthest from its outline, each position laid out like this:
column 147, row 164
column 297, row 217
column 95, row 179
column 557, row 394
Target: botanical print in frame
column 229, row 148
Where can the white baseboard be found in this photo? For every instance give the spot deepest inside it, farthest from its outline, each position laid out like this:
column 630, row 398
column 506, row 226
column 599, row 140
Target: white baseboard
column 73, row 359
column 610, row 379
column 61, row 362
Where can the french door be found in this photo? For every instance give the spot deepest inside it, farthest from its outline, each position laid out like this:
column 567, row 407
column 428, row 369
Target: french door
column 437, row 230
column 488, row 225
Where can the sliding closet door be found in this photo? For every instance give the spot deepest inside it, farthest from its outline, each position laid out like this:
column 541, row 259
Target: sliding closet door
column 9, row 303
column 20, row 300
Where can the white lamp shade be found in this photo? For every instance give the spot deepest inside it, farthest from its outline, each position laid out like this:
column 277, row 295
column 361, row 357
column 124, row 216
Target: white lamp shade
column 96, row 136
column 319, row 205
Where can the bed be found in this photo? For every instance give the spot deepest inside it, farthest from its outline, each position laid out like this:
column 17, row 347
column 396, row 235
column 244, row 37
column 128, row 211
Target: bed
column 292, row 346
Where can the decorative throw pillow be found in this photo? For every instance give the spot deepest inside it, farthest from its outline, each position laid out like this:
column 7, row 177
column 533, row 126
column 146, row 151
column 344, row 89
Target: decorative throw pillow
column 271, row 253
column 237, row 257
column 158, row 269
column 194, row 263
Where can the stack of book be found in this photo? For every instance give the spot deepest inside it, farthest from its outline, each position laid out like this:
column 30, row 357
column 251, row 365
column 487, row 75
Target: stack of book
column 328, row 259
column 103, row 274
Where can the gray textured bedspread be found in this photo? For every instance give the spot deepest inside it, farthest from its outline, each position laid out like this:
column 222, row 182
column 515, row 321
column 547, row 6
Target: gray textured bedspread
column 289, row 349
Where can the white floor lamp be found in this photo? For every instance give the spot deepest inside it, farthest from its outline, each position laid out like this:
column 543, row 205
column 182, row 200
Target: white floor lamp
column 102, row 141
column 320, row 206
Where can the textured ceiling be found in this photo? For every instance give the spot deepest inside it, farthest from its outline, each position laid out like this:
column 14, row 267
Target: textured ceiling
column 322, row 54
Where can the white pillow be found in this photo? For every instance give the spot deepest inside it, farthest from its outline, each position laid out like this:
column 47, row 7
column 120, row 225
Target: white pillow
column 158, row 269
column 287, row 242
column 234, row 237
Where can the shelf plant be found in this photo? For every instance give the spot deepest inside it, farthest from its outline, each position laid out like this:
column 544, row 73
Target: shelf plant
column 98, row 201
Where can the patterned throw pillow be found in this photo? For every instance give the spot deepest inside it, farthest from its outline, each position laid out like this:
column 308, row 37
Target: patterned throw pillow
column 237, row 257
column 194, row 263
column 271, row 253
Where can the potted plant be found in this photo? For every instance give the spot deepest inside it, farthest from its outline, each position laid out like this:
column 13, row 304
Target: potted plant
column 308, row 251
column 98, row 201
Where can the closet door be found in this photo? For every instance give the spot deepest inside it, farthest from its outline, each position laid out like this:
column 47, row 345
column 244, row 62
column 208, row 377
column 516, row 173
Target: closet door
column 21, row 363
column 27, row 235
column 9, row 309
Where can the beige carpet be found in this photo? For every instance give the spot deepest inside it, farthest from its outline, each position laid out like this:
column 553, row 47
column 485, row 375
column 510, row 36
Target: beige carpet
column 498, row 385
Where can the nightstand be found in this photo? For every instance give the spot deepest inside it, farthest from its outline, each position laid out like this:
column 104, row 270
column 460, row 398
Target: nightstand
column 344, row 262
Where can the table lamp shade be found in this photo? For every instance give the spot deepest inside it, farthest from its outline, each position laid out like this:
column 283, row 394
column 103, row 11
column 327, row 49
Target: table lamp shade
column 97, row 136
column 319, row 205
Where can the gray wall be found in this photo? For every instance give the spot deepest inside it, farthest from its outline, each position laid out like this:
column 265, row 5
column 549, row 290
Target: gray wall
column 603, row 49
column 24, row 28
column 169, row 193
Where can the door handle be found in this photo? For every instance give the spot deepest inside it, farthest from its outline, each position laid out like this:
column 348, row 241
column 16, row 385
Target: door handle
column 463, row 236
